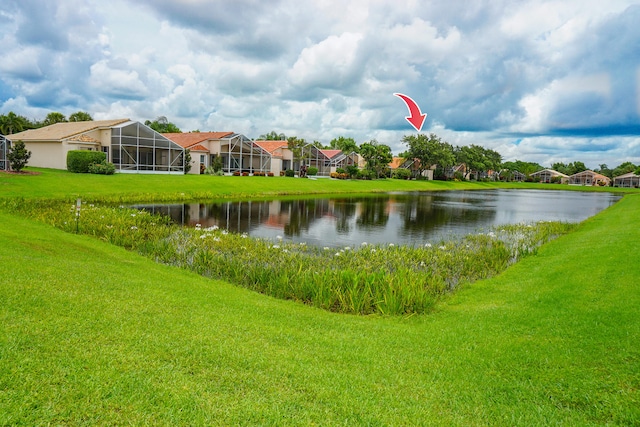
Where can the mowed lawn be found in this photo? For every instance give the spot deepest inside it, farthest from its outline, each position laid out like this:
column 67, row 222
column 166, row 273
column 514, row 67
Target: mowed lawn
column 94, row 335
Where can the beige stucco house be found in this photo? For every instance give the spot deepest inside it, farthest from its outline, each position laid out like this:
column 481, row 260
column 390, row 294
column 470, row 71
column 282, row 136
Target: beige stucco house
column 629, row 180
column 548, row 175
column 131, row 146
column 589, row 177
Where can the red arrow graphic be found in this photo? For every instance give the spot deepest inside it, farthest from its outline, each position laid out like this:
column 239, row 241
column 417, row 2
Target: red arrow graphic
column 416, row 118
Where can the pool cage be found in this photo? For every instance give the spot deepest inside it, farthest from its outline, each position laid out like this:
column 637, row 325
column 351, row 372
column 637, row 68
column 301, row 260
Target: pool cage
column 240, row 154
column 136, row 148
column 4, row 150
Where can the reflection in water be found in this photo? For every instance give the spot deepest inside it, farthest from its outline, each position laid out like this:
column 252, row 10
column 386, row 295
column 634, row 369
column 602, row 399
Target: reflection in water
column 406, row 218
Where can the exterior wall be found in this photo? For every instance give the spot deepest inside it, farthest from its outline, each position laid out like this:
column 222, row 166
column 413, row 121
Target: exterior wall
column 47, row 155
column 276, row 166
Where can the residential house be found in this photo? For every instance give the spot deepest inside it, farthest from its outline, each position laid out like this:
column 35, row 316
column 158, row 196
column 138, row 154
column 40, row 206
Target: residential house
column 131, row 146
column 629, row 180
column 238, row 153
column 589, row 177
column 281, row 156
column 550, row 175
column 413, row 165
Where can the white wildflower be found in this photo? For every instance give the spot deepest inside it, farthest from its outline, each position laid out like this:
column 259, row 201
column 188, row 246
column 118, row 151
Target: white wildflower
column 427, row 245
column 133, row 227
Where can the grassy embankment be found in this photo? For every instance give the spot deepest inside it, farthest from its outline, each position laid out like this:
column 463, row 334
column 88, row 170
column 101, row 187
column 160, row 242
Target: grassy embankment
column 94, row 334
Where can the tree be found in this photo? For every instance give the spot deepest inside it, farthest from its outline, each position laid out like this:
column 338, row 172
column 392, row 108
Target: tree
column 80, row 116
column 346, row 145
column 13, row 123
column 526, row 168
column 187, row 161
column 569, row 169
column 18, row 156
column 604, row 170
column 624, row 168
column 162, row 125
column 478, row 159
column 378, row 156
column 273, row 136
column 428, row 150
column 296, row 146
column 53, row 118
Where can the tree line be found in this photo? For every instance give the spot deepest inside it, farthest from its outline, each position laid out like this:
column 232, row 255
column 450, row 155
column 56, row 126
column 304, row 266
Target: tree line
column 11, row 122
column 423, row 151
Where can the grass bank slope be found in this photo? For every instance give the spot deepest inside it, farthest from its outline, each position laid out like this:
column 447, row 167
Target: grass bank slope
column 59, row 184
column 92, row 334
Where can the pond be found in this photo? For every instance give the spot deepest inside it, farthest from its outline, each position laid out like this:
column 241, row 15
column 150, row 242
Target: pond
column 398, row 218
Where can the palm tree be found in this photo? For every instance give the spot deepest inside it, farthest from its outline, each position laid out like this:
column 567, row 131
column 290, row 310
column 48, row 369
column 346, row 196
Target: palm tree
column 12, row 123
column 80, row 116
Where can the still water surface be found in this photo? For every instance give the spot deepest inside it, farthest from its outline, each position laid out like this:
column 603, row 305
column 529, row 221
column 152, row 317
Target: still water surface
column 399, row 218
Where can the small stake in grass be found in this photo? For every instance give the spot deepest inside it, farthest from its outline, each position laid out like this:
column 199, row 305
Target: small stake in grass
column 78, row 205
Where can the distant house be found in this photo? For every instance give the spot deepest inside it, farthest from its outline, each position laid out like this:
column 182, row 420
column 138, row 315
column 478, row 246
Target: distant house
column 238, row 153
column 413, row 165
column 281, row 156
column 131, row 146
column 629, row 180
column 4, row 150
column 589, row 177
column 550, row 175
column 517, row 176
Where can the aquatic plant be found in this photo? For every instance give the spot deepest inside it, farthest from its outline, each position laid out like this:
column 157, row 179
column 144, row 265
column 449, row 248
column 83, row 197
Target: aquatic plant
column 364, row 279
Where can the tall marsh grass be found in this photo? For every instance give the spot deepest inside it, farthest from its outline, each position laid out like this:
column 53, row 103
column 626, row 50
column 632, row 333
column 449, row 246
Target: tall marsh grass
column 367, row 279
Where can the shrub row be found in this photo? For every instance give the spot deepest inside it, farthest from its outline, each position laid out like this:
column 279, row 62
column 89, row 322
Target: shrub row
column 85, row 161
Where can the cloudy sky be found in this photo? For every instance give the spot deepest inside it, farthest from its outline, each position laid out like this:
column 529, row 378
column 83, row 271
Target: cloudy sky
column 540, row 81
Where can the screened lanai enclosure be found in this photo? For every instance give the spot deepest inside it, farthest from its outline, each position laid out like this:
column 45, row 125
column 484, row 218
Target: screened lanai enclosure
column 240, row 154
column 139, row 149
column 4, row 149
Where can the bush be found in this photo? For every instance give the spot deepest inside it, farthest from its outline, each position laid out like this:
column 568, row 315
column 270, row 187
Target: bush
column 312, row 171
column 18, row 156
column 352, row 171
column 366, row 174
column 340, row 170
column 78, row 161
column 103, row 168
column 402, row 173
column 290, row 172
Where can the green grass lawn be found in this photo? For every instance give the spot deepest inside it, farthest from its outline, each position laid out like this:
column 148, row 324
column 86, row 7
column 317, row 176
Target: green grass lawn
column 92, row 334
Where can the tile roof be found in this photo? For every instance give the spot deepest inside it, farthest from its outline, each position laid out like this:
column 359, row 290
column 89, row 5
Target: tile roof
column 593, row 174
column 198, row 147
column 331, row 153
column 396, row 162
column 60, row 131
column 627, row 175
column 271, row 146
column 188, row 139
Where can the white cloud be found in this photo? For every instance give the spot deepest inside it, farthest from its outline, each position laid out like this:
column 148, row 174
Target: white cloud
column 553, row 75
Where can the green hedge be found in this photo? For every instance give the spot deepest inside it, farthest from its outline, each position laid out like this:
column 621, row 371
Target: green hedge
column 312, row 171
column 78, row 161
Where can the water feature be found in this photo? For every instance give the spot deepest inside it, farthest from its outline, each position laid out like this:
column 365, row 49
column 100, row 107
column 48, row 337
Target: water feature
column 399, row 218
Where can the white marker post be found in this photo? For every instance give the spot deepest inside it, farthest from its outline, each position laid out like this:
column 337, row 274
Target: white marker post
column 78, row 206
